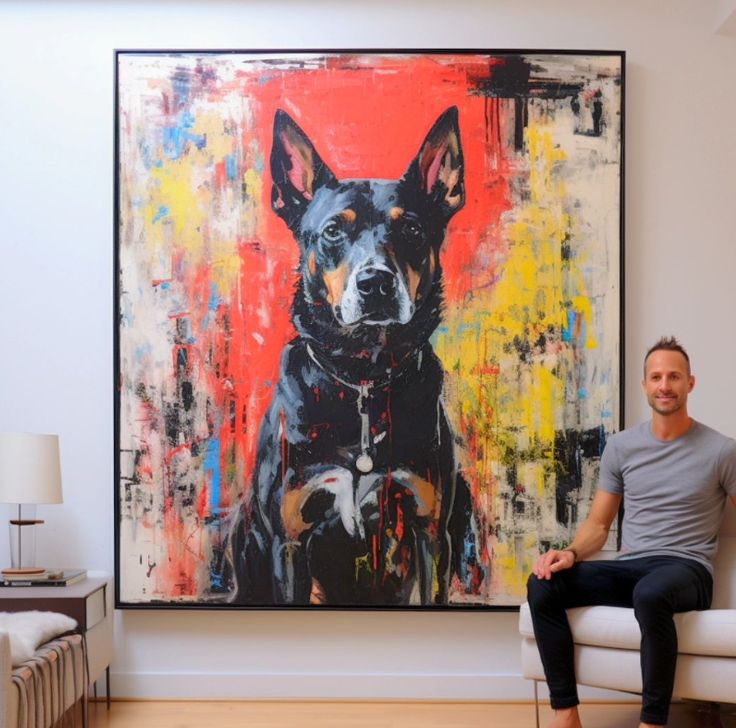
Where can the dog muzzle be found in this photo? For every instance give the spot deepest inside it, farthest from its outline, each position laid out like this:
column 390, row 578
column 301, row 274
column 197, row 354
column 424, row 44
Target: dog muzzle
column 377, row 296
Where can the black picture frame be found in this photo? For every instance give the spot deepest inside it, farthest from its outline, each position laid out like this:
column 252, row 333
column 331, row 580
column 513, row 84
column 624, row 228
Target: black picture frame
column 194, row 212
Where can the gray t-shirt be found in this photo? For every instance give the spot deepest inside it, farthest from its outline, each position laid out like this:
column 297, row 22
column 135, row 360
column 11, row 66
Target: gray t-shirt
column 674, row 491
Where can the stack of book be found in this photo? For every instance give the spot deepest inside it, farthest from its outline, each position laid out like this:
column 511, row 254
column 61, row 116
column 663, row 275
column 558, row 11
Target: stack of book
column 50, row 577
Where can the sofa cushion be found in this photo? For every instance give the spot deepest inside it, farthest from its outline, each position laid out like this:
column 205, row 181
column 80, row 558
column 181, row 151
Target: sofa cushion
column 712, row 632
column 697, row 677
column 724, row 573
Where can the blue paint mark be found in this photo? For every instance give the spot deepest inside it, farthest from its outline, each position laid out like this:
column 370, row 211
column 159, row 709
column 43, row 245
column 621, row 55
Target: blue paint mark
column 582, row 393
column 567, row 331
column 175, row 138
column 149, row 160
column 474, row 328
column 259, row 165
column 181, row 85
column 231, row 166
column 214, row 297
column 212, row 465
column 215, row 577
column 141, row 352
column 602, row 439
column 606, row 414
column 166, row 285
column 162, row 212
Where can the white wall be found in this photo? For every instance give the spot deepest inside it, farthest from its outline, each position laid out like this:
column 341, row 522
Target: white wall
column 56, row 318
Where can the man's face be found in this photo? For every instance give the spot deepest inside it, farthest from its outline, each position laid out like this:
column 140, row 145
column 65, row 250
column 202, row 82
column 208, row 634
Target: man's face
column 667, row 381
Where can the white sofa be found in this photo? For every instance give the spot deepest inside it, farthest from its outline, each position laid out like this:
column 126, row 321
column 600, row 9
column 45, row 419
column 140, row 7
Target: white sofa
column 607, row 639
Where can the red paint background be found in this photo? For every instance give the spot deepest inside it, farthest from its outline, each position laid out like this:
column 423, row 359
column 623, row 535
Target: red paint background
column 367, row 117
column 365, row 121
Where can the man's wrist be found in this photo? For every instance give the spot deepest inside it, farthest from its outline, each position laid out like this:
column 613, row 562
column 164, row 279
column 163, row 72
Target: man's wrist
column 574, row 553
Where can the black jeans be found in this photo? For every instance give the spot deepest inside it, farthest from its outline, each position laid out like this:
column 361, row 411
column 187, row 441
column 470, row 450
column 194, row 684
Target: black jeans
column 655, row 586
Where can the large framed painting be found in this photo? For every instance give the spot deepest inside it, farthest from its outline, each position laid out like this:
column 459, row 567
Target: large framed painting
column 368, row 321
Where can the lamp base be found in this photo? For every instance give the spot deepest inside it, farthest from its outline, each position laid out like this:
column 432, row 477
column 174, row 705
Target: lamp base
column 23, row 543
column 25, row 571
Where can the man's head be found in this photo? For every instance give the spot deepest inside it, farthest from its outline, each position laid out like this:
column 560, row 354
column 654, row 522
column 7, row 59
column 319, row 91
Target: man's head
column 667, row 343
column 667, row 378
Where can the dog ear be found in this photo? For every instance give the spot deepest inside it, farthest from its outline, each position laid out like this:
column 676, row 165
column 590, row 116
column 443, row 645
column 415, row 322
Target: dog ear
column 438, row 167
column 296, row 169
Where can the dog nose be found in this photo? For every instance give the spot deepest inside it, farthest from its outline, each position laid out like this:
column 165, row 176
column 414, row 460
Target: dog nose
column 374, row 282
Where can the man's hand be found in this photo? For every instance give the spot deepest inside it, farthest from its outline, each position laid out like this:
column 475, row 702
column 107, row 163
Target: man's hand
column 551, row 562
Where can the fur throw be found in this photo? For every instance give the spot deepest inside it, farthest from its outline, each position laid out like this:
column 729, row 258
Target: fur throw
column 28, row 630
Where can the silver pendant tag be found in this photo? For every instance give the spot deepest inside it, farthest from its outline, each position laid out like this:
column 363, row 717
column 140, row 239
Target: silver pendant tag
column 364, row 463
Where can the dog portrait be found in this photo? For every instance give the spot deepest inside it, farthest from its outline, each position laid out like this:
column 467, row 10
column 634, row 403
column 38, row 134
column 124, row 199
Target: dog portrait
column 355, row 487
column 368, row 322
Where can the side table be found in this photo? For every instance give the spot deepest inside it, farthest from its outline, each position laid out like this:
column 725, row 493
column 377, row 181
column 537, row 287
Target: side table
column 88, row 601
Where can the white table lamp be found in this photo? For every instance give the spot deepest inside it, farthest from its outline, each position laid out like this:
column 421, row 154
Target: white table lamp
column 30, row 473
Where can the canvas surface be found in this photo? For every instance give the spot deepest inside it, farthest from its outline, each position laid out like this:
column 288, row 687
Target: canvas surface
column 527, row 334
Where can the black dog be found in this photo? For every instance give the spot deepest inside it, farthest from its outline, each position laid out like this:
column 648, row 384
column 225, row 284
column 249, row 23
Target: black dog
column 356, row 499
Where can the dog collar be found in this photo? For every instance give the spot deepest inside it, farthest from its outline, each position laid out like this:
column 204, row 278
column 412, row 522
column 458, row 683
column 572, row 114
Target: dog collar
column 364, row 462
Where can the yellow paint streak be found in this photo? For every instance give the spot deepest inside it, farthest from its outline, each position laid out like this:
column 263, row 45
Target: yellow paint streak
column 349, row 216
column 220, row 144
column 362, row 564
column 581, row 306
column 510, row 389
column 253, row 184
column 186, row 209
column 506, row 561
column 224, row 265
column 175, row 187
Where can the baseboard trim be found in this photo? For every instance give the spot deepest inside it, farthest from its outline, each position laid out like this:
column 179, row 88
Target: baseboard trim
column 328, row 686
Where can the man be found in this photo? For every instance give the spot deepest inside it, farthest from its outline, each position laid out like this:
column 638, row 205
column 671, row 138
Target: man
column 674, row 475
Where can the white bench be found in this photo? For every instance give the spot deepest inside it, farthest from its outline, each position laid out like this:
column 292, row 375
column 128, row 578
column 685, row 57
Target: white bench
column 39, row 691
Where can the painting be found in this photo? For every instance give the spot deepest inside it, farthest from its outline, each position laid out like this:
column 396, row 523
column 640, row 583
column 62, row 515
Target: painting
column 368, row 321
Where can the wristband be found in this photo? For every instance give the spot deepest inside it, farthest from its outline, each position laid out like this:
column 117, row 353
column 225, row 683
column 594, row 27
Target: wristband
column 573, row 552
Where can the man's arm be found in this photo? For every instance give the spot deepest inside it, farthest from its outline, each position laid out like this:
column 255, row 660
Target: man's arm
column 590, row 536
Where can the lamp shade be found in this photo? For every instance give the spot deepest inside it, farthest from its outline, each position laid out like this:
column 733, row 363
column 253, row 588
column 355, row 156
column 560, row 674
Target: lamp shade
column 30, row 469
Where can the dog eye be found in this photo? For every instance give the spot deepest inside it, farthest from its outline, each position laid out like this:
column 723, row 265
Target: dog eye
column 332, row 231
column 413, row 230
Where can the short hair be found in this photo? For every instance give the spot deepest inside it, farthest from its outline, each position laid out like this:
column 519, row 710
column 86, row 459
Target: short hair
column 667, row 343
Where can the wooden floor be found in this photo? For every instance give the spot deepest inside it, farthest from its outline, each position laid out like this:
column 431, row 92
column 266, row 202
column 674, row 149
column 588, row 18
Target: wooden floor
column 293, row 714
